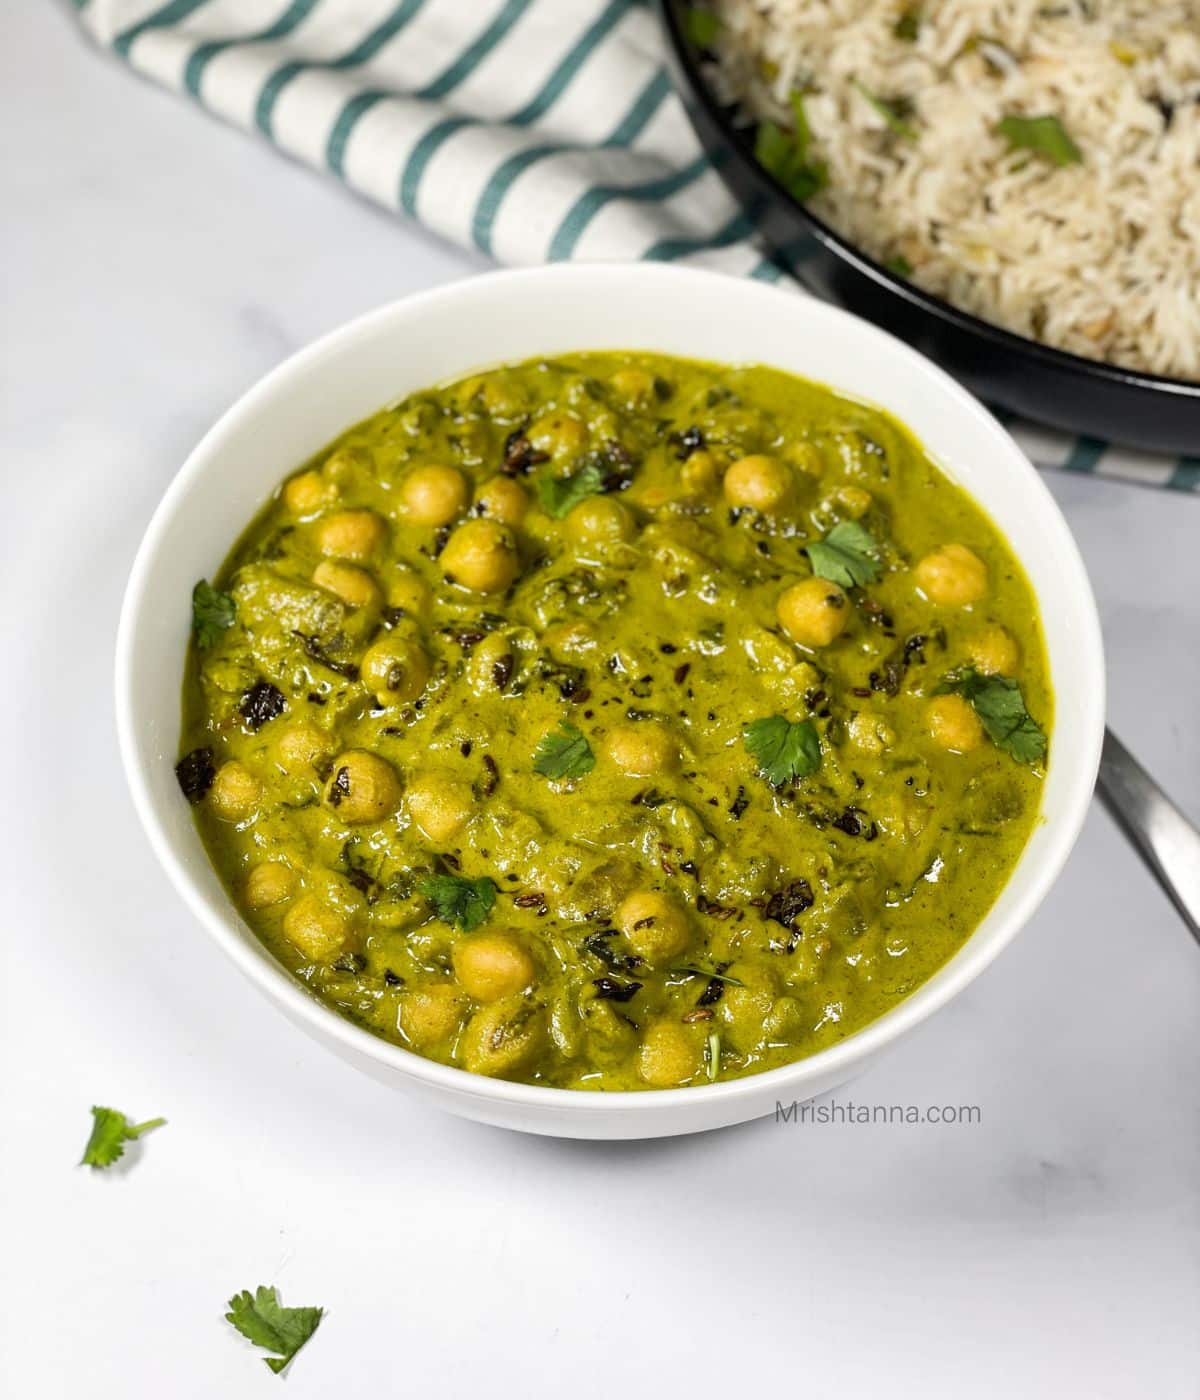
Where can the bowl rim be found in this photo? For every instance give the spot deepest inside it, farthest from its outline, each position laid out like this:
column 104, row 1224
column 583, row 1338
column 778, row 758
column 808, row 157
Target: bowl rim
column 685, row 54
column 274, row 981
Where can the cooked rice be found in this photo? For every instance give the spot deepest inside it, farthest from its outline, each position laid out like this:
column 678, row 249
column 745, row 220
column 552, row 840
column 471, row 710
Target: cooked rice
column 1101, row 258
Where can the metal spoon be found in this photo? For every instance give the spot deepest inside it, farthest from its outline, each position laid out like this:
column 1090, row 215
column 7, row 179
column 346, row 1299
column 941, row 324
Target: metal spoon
column 1163, row 836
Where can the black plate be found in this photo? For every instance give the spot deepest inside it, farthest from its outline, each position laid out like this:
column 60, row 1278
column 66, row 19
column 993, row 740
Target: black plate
column 1036, row 381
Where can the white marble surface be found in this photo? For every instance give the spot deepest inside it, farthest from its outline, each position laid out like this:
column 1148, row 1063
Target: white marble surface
column 155, row 264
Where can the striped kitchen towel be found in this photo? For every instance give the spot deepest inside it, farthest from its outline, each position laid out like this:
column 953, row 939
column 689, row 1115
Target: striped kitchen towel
column 531, row 130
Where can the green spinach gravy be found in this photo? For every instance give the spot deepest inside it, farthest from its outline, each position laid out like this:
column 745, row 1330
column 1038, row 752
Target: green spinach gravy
column 616, row 721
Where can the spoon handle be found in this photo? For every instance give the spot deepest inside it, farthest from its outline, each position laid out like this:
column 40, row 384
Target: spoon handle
column 1163, row 836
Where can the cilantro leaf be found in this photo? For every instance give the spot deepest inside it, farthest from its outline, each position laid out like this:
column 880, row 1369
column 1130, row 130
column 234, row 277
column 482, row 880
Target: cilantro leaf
column 213, row 612
column 899, row 266
column 998, row 702
column 785, row 155
column 908, row 25
column 888, row 112
column 111, row 1130
column 566, row 754
column 1046, row 136
column 558, row 495
column 700, row 26
column 782, row 750
column 774, row 149
column 263, row 1320
column 801, row 131
column 458, row 901
column 848, row 555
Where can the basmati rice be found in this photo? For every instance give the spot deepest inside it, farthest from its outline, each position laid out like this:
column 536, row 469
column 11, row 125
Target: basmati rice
column 1100, row 257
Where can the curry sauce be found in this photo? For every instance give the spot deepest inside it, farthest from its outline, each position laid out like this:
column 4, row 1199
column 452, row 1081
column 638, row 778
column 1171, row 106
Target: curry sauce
column 617, row 721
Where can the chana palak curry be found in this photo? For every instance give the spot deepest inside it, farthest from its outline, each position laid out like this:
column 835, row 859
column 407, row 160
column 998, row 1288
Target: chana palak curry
column 616, row 721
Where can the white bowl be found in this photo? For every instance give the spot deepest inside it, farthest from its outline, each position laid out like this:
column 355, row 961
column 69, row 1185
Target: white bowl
column 507, row 316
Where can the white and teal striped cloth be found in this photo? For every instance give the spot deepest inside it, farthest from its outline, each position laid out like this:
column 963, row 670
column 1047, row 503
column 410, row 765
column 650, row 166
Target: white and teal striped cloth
column 532, row 130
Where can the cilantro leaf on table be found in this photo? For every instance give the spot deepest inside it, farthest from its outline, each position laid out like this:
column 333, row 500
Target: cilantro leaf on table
column 111, row 1130
column 783, row 750
column 463, row 903
column 848, row 555
column 998, row 702
column 263, row 1320
column 566, row 754
column 213, row 612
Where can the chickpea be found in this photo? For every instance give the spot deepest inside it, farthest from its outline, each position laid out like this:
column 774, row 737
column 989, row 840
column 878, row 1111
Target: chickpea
column 481, row 555
column 653, row 498
column 502, row 1037
column 434, row 494
column 319, row 931
column 952, row 575
column 307, row 493
column 431, row 1015
column 870, row 732
column 494, row 393
column 813, row 613
column 953, row 723
column 785, row 1021
column 270, row 883
column 994, row 651
column 351, row 534
column 340, row 466
column 505, row 500
column 401, row 914
column 806, row 459
column 491, row 966
column 743, row 1010
column 301, row 747
column 763, row 483
column 669, row 1055
column 600, row 520
column 654, row 925
column 235, row 792
column 900, row 815
column 395, row 669
column 606, row 1027
column 634, row 386
column 699, row 473
column 642, row 749
column 679, row 547
column 492, row 664
column 440, row 805
column 565, row 640
column 559, row 434
column 363, row 788
column 354, row 586
column 408, row 591
column 853, row 501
